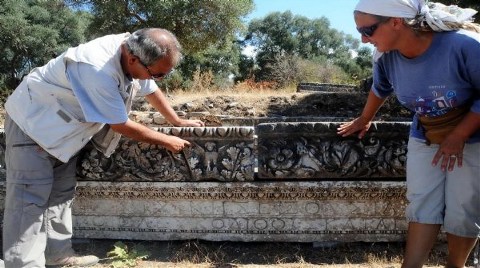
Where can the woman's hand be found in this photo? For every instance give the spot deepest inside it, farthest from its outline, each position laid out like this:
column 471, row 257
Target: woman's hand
column 450, row 152
column 451, row 149
column 359, row 125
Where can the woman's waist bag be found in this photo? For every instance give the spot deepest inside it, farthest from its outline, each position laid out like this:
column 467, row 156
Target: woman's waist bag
column 437, row 128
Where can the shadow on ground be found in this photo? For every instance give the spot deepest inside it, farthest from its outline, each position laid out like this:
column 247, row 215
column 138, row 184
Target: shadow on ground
column 336, row 104
column 219, row 254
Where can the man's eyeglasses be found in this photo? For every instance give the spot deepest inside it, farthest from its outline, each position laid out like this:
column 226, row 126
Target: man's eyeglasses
column 368, row 31
column 153, row 76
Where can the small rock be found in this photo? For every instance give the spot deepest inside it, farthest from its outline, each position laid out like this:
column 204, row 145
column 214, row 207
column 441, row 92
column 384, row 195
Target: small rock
column 232, row 105
column 197, row 114
column 141, row 117
column 187, row 106
column 181, row 113
column 158, row 119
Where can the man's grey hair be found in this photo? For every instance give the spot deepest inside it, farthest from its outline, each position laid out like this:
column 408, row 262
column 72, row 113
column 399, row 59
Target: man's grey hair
column 152, row 44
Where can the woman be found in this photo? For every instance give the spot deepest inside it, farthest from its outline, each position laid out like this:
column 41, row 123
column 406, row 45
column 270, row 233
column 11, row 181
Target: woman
column 429, row 56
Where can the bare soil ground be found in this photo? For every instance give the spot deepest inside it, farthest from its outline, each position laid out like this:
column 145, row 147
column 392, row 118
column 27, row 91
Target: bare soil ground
column 258, row 254
column 209, row 105
column 277, row 103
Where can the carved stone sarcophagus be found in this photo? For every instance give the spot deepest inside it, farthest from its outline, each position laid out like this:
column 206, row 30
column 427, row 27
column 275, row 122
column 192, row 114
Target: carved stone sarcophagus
column 277, row 181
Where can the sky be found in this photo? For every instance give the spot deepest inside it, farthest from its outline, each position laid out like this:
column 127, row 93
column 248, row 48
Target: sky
column 338, row 12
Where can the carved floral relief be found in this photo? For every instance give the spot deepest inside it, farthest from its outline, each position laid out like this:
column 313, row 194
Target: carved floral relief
column 222, row 154
column 314, row 150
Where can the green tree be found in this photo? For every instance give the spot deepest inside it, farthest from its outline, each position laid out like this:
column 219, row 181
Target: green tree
column 281, row 36
column 222, row 60
column 198, row 24
column 246, row 68
column 218, row 61
column 207, row 30
column 33, row 32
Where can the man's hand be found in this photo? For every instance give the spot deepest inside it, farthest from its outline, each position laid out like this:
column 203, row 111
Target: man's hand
column 158, row 100
column 190, row 123
column 175, row 144
column 139, row 132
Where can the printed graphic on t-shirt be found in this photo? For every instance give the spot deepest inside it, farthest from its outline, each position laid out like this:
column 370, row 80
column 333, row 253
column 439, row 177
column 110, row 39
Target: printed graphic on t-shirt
column 436, row 104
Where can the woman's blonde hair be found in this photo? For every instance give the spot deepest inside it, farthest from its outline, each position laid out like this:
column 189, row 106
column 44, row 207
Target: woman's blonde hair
column 419, row 25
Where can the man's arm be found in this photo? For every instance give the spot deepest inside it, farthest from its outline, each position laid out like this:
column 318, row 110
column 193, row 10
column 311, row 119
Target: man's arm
column 139, row 132
column 159, row 102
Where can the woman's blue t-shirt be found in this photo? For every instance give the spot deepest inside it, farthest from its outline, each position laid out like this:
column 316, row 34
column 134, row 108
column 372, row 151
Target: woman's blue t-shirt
column 445, row 76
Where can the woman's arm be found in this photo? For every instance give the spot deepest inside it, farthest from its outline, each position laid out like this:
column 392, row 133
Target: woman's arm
column 362, row 123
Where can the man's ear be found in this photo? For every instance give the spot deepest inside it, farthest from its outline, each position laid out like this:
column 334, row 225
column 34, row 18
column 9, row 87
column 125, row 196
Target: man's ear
column 131, row 58
column 128, row 57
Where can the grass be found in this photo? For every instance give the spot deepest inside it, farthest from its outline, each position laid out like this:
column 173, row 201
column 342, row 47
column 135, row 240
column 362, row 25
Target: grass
column 249, row 91
column 198, row 253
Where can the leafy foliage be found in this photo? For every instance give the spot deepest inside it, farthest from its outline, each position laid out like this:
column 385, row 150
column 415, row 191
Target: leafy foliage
column 123, row 257
column 207, row 30
column 280, row 36
column 197, row 24
column 289, row 48
column 221, row 61
column 33, row 32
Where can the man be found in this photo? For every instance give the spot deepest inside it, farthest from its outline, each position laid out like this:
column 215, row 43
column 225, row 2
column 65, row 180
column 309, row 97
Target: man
column 83, row 95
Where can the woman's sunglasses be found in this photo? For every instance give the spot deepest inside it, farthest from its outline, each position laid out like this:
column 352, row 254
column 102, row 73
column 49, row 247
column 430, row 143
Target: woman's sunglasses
column 368, row 31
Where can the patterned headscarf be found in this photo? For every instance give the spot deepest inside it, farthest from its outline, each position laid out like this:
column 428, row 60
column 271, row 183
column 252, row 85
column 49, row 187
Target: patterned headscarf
column 438, row 16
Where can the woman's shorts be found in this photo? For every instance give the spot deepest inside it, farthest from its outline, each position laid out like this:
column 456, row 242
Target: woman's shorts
column 451, row 198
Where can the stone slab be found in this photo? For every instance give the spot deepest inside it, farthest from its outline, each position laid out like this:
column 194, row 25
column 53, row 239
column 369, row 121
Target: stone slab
column 314, row 150
column 315, row 87
column 216, row 153
column 274, row 211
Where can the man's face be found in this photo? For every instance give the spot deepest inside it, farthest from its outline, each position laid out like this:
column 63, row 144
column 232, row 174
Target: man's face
column 156, row 71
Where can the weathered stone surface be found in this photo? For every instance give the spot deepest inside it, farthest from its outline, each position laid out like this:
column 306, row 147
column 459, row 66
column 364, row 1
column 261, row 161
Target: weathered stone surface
column 314, row 150
column 212, row 191
column 324, row 87
column 221, row 153
column 274, row 211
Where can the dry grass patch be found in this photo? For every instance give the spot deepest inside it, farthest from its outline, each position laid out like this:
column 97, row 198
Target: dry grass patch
column 199, row 253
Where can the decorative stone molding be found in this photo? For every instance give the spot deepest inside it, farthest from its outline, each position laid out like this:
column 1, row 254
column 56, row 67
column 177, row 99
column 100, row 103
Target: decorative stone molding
column 315, row 151
column 274, row 211
column 290, row 150
column 216, row 153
